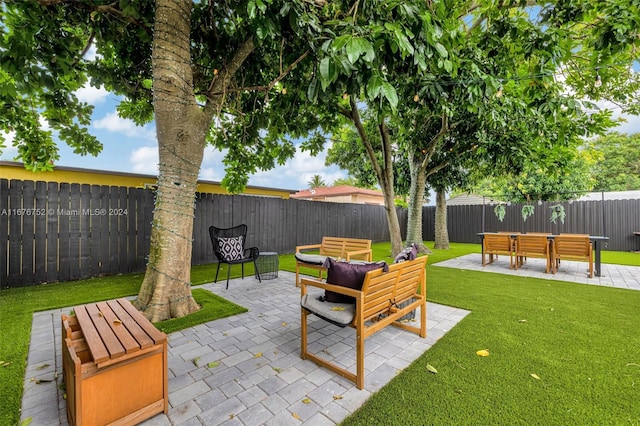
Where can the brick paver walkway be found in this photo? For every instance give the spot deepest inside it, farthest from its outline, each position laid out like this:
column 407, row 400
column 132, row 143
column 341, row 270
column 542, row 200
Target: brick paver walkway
column 260, row 378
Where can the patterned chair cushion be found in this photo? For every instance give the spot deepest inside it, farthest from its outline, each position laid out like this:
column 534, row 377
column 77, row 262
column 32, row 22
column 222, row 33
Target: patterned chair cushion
column 231, row 248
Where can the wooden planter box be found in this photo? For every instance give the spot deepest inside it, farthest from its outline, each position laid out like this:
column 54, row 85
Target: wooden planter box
column 114, row 364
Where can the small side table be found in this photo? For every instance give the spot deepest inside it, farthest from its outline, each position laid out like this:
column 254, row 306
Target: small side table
column 268, row 265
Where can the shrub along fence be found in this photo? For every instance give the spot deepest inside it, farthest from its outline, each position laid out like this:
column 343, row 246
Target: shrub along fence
column 60, row 232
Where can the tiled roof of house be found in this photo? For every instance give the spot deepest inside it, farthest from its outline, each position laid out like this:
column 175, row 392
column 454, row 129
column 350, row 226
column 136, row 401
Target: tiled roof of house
column 334, row 191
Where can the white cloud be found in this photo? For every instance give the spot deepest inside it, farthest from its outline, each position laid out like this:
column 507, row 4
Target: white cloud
column 212, row 167
column 145, row 160
column 92, row 95
column 115, row 124
column 298, row 171
column 295, row 174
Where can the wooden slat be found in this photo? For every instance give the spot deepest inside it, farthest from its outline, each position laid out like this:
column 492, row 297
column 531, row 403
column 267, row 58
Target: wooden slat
column 52, row 231
column 74, row 231
column 64, row 258
column 4, row 233
column 111, row 341
column 40, row 251
column 15, row 234
column 103, row 228
column 85, row 232
column 99, row 351
column 119, row 329
column 28, row 221
column 136, row 324
column 156, row 335
column 96, row 246
column 133, row 326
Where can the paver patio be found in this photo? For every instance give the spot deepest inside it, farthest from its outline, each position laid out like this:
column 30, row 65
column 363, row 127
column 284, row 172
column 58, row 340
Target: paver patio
column 260, row 378
column 619, row 276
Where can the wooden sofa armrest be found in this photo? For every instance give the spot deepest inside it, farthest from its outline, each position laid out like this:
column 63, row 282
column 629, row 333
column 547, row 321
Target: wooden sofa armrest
column 304, row 282
column 308, row 247
column 368, row 252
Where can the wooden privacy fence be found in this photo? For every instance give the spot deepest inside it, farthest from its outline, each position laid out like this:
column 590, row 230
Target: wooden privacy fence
column 616, row 219
column 62, row 232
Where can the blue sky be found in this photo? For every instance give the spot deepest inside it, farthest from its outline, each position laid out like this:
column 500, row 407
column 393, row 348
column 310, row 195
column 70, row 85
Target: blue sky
column 130, row 148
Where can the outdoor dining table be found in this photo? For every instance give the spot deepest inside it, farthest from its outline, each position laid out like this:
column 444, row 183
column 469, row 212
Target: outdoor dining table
column 597, row 241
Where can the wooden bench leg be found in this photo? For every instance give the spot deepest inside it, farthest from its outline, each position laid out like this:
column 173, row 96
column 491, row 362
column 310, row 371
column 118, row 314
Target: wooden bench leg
column 359, row 359
column 303, row 333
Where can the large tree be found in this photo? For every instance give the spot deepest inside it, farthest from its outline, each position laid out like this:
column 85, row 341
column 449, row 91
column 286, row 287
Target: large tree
column 194, row 67
column 618, row 168
column 502, row 82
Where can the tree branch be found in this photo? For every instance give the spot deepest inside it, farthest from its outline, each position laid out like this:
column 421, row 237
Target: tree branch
column 264, row 88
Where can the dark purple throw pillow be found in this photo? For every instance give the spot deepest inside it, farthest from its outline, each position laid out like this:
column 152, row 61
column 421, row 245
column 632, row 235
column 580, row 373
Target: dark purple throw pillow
column 347, row 275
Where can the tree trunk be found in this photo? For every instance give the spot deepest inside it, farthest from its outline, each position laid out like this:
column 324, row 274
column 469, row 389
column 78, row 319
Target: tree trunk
column 394, row 224
column 384, row 173
column 442, row 234
column 416, row 198
column 181, row 130
column 182, row 126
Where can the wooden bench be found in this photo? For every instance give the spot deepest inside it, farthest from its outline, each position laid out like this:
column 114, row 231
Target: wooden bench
column 495, row 244
column 114, row 363
column 377, row 305
column 533, row 245
column 572, row 247
column 336, row 247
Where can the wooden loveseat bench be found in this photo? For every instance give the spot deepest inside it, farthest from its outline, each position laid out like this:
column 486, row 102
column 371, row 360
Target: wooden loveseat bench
column 384, row 299
column 335, row 247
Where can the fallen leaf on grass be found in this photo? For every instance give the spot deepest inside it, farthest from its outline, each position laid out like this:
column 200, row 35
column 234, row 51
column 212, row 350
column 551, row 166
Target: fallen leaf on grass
column 535, row 376
column 522, row 320
column 483, row 352
column 4, row 363
column 431, row 369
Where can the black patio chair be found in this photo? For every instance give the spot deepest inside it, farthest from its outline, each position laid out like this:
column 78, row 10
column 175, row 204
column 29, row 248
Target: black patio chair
column 228, row 246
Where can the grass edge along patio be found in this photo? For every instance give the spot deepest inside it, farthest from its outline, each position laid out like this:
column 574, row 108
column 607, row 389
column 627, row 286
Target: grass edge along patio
column 560, row 353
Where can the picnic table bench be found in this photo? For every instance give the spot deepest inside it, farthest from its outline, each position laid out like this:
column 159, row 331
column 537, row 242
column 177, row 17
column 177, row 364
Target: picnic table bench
column 337, row 247
column 384, row 299
column 114, row 365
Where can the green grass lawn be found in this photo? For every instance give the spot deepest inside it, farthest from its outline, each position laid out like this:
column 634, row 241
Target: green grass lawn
column 581, row 341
